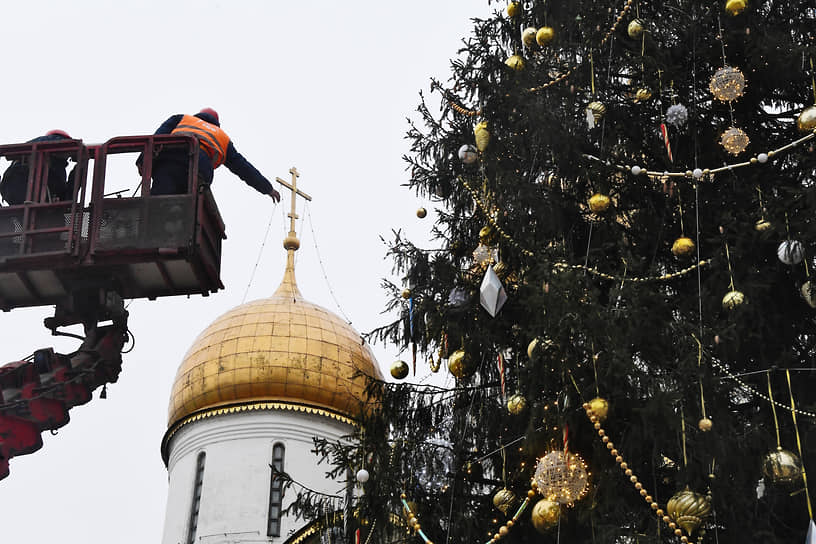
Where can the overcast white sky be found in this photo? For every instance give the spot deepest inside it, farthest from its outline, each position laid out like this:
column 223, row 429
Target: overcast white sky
column 321, row 85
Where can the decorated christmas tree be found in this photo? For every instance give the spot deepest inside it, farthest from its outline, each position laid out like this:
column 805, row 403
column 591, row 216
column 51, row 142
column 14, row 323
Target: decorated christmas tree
column 623, row 197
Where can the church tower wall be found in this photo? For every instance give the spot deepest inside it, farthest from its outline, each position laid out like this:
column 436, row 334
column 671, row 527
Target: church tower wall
column 235, row 484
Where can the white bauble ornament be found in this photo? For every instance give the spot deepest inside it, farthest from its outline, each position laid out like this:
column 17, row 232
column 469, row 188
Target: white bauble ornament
column 468, row 154
column 362, row 475
column 791, row 252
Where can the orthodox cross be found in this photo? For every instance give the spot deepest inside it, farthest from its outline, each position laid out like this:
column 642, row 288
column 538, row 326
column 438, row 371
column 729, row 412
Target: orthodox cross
column 295, row 191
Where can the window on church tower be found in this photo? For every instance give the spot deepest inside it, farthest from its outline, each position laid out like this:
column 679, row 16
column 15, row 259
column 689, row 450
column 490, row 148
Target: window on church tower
column 199, row 481
column 275, row 492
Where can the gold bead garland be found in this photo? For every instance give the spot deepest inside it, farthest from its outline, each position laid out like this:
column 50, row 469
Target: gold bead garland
column 659, row 512
column 502, row 531
column 561, row 266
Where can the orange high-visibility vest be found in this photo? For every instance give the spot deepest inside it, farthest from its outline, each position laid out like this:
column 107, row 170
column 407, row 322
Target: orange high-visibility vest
column 212, row 139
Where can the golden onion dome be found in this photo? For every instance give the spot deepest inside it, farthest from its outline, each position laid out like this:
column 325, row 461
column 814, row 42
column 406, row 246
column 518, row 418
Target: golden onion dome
column 281, row 352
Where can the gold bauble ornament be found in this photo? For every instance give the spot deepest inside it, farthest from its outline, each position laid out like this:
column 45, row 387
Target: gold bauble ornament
column 516, row 404
column 600, row 407
column 705, row 424
column 561, row 476
column 406, row 293
column 513, row 9
column 808, row 291
column 515, row 62
column 727, row 84
column 735, row 7
column 460, row 364
column 537, row 346
column 734, row 140
column 597, row 109
column 545, row 35
column 421, row 213
column 635, row 28
column 643, row 94
column 487, row 234
column 545, row 515
column 482, row 135
column 503, row 500
column 732, row 299
column 782, row 467
column 762, row 225
column 683, row 247
column 688, row 509
column 399, row 369
column 806, row 122
column 599, row 203
column 528, row 36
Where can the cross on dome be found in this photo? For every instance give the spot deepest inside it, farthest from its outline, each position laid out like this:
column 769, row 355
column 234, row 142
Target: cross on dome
column 295, row 191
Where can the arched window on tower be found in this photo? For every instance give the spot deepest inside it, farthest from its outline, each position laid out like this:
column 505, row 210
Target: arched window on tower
column 199, row 481
column 275, row 492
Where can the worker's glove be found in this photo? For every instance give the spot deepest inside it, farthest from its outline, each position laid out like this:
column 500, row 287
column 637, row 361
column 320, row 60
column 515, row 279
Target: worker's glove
column 275, row 195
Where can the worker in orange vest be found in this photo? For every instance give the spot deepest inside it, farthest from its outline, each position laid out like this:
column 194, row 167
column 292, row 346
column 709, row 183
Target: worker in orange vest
column 170, row 166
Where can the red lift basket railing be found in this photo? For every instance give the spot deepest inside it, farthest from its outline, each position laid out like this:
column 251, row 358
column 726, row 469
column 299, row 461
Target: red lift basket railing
column 144, row 246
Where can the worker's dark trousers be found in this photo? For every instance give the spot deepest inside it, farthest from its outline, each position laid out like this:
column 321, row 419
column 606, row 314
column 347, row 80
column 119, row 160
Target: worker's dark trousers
column 170, row 172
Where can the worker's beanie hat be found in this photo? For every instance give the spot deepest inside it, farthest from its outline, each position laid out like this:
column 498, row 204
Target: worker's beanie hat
column 210, row 111
column 58, row 132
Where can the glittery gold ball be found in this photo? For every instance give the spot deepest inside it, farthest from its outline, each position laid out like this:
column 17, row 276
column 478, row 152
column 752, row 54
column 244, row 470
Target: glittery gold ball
column 806, row 121
column 460, row 364
column 545, row 35
column 599, row 407
column 734, row 140
column 727, row 84
column 528, row 36
column 399, row 369
column 515, row 62
column 762, row 225
column 599, row 203
column 516, row 404
column 735, row 7
column 683, row 247
column 513, row 9
column 561, row 477
column 545, row 515
column 782, row 467
column 406, row 293
column 421, row 213
column 705, row 424
column 733, row 299
column 504, row 500
column 635, row 28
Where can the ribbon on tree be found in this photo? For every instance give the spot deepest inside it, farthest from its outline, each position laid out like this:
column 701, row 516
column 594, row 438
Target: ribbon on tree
column 500, row 365
column 411, row 332
column 664, row 131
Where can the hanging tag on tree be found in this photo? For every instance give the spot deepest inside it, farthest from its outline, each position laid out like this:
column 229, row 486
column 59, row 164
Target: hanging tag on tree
column 492, row 295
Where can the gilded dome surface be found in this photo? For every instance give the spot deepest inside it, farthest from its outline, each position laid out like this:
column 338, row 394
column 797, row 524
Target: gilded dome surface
column 283, row 349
